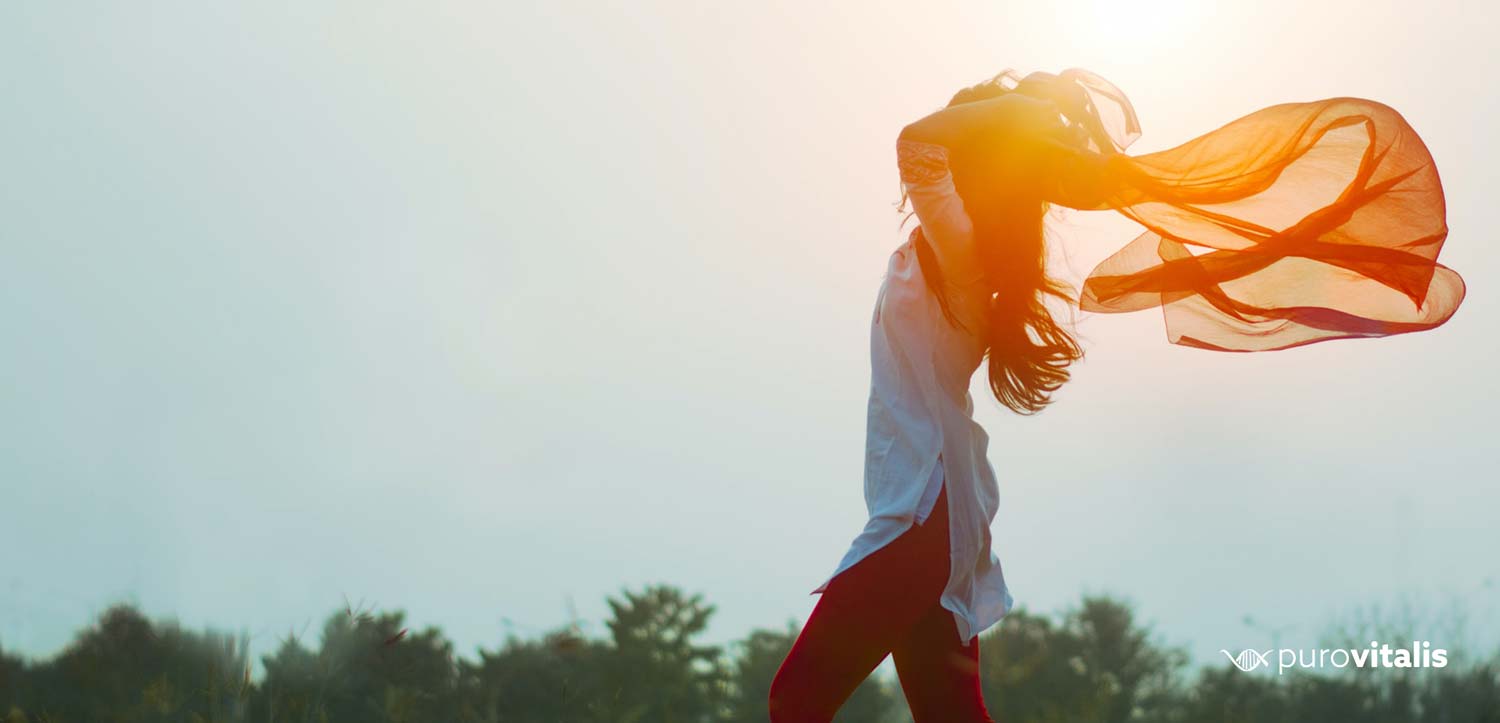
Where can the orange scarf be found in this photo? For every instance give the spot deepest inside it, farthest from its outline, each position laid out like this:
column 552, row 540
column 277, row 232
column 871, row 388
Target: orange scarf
column 1298, row 223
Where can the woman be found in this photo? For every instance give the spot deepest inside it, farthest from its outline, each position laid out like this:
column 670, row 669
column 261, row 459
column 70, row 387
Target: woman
column 968, row 283
column 1316, row 221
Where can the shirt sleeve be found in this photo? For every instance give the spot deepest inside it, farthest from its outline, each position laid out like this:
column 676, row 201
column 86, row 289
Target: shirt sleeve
column 929, row 186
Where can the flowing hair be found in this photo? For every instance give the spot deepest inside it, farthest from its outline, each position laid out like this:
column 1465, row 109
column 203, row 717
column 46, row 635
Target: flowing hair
column 1028, row 351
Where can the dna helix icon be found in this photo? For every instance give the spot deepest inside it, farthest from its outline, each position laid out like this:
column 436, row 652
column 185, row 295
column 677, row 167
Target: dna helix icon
column 1248, row 660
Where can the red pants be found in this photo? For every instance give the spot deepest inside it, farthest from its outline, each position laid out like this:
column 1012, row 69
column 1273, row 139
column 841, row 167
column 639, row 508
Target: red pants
column 886, row 604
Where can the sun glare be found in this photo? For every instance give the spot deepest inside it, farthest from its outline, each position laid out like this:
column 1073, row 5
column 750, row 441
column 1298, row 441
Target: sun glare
column 1134, row 29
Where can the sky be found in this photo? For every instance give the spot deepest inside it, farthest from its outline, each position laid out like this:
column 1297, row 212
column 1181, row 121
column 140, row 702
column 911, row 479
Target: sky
column 487, row 311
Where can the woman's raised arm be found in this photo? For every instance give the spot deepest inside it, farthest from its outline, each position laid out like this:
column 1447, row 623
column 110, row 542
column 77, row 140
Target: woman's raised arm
column 1020, row 139
column 972, row 128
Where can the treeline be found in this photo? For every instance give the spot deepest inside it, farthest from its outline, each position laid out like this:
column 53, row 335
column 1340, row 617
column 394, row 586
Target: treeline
column 1094, row 663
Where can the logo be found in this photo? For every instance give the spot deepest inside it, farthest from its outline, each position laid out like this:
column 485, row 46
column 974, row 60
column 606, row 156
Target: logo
column 1248, row 659
column 1419, row 654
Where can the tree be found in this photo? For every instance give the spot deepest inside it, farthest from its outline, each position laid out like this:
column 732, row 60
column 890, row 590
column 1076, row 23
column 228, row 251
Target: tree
column 1091, row 664
column 562, row 678
column 1228, row 695
column 135, row 670
column 369, row 668
column 1096, row 666
column 657, row 670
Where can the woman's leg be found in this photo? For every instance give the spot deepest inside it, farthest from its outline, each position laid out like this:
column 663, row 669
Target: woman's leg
column 865, row 612
column 939, row 675
column 846, row 636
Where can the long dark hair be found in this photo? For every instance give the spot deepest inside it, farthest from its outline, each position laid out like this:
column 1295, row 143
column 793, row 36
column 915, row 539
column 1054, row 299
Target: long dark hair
column 1028, row 351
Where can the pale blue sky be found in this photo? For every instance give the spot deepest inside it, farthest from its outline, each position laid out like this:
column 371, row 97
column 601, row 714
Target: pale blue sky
column 473, row 309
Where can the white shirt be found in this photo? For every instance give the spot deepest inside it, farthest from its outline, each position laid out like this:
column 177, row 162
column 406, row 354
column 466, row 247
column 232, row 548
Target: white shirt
column 920, row 405
column 930, row 495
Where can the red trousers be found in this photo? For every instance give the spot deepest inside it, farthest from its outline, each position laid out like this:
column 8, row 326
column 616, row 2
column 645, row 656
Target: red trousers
column 886, row 604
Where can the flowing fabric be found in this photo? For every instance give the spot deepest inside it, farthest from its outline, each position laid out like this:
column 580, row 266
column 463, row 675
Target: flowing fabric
column 1298, row 223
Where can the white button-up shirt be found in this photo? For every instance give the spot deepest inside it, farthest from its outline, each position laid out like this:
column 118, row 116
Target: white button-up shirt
column 920, row 429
